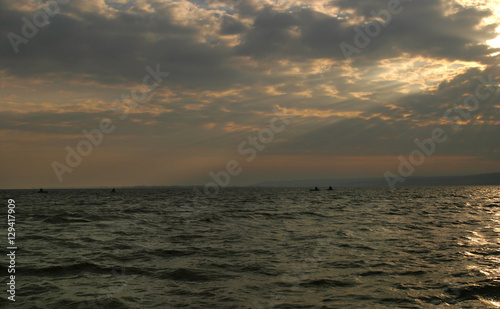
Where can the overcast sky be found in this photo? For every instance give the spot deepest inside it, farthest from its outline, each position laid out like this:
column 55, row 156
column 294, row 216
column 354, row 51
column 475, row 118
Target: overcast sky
column 231, row 65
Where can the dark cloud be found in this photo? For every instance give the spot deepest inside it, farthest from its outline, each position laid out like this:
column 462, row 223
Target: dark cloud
column 415, row 116
column 111, row 49
column 231, row 25
column 422, row 28
column 230, row 66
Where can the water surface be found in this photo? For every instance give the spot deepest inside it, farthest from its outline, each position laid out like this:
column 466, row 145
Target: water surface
column 416, row 247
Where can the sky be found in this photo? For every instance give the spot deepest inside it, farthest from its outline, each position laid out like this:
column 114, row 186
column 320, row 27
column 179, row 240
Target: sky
column 323, row 88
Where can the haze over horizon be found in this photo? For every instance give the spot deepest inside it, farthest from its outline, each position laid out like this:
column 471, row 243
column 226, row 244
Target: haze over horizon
column 221, row 71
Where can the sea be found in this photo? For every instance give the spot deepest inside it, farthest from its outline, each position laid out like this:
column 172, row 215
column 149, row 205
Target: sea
column 412, row 247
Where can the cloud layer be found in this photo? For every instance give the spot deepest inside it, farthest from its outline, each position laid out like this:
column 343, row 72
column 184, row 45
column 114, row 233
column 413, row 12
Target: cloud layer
column 230, row 64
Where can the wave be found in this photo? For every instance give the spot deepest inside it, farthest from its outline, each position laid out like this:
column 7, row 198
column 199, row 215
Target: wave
column 182, row 274
column 80, row 268
column 104, row 301
column 66, row 219
column 329, row 283
column 488, row 290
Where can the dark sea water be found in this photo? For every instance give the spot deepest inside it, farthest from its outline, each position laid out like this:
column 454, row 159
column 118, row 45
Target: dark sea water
column 415, row 247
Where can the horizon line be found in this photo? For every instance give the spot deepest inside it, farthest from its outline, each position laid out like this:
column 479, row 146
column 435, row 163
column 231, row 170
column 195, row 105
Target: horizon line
column 260, row 184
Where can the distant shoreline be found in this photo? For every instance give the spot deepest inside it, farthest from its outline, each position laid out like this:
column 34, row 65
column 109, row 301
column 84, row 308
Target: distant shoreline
column 468, row 180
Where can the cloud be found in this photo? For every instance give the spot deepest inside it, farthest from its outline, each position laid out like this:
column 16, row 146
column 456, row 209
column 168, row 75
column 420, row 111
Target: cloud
column 232, row 26
column 391, row 128
column 102, row 42
column 423, row 28
column 231, row 62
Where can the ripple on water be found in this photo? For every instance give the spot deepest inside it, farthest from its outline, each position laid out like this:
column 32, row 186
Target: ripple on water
column 415, row 247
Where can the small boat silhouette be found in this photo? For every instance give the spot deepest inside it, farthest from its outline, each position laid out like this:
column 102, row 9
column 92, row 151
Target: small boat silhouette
column 42, row 191
column 330, row 188
column 315, row 189
column 113, row 191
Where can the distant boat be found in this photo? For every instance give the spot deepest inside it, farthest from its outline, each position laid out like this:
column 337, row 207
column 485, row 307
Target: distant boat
column 113, row 191
column 43, row 191
column 330, row 188
column 315, row 189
